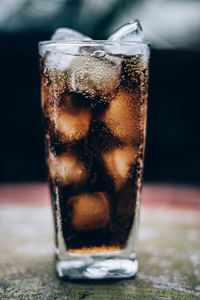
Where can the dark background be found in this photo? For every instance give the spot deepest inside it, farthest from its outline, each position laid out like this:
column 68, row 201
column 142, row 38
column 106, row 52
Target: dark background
column 173, row 146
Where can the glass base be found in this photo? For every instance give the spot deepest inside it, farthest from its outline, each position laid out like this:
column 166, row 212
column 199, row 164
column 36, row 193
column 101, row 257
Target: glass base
column 97, row 268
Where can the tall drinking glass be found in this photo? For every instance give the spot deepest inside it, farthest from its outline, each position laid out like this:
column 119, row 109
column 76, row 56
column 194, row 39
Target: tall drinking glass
column 94, row 101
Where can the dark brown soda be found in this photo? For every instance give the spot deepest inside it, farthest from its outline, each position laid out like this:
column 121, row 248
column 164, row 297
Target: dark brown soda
column 94, row 149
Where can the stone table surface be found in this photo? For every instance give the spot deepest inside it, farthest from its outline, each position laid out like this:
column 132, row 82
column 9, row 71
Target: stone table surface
column 168, row 248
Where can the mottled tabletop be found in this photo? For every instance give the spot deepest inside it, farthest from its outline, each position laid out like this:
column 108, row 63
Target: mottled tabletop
column 168, row 248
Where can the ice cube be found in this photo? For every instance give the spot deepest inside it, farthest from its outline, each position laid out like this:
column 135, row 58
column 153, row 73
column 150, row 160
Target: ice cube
column 72, row 123
column 90, row 211
column 68, row 34
column 73, row 126
column 58, row 61
column 130, row 32
column 94, row 76
column 123, row 117
column 66, row 168
column 61, row 58
column 118, row 163
column 90, row 50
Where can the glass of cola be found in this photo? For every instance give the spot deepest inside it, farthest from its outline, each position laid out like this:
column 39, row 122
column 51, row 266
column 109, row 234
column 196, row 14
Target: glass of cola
column 94, row 102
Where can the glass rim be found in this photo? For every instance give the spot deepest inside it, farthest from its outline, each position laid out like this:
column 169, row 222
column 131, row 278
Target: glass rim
column 49, row 44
